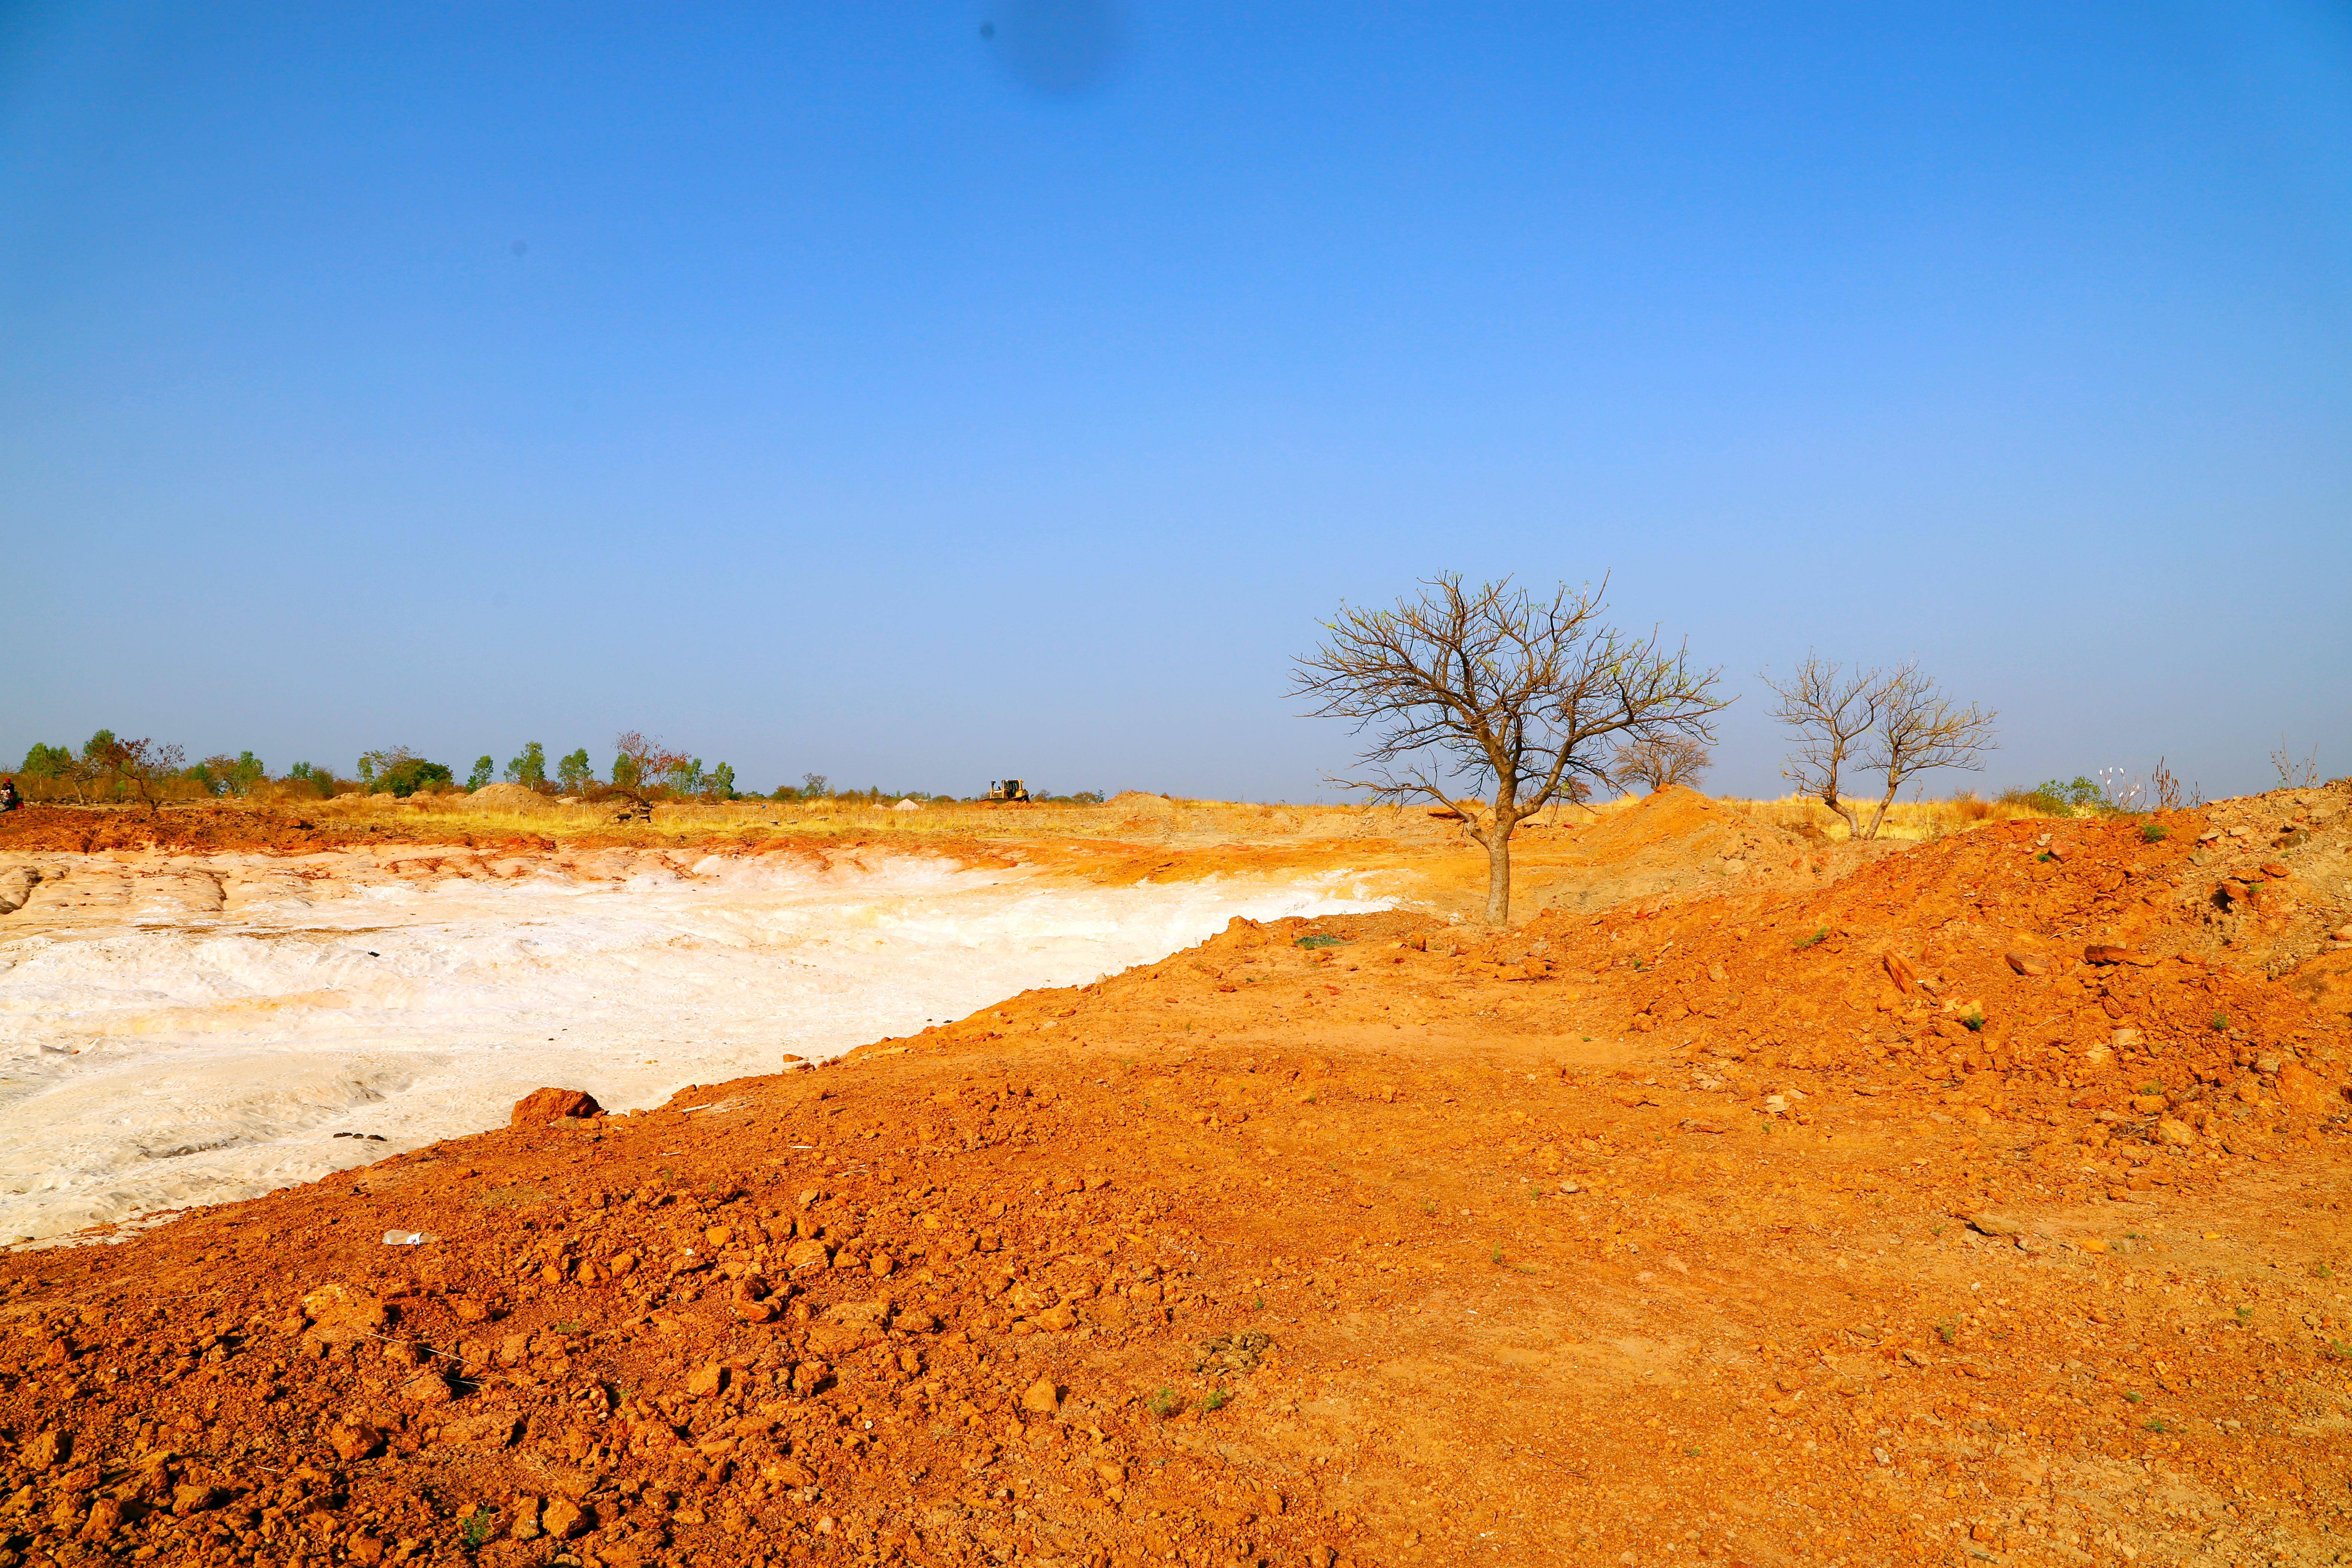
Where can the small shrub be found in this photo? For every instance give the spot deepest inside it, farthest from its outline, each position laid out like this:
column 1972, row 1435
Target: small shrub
column 1973, row 1020
column 2154, row 832
column 1166, row 1403
column 1320, row 940
column 477, row 1527
column 2131, row 1395
column 1944, row 1327
column 2219, row 1022
column 1216, row 1400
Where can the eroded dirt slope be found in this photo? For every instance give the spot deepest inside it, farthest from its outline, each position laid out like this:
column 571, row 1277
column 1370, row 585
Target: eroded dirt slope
column 1983, row 1203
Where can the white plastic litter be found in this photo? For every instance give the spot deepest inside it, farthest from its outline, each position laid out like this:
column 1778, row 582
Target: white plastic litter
column 408, row 1238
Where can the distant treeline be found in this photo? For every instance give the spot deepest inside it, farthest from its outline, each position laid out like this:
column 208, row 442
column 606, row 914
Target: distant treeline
column 108, row 769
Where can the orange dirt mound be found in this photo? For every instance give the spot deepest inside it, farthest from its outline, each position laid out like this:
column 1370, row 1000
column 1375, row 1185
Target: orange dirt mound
column 91, row 830
column 1670, row 818
column 1669, row 844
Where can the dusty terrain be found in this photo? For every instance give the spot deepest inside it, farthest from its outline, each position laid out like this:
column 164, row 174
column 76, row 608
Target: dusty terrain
column 1757, row 1200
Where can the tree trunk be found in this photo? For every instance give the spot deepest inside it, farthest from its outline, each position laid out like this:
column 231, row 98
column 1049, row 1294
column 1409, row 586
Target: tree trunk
column 1836, row 803
column 1880, row 816
column 1498, row 875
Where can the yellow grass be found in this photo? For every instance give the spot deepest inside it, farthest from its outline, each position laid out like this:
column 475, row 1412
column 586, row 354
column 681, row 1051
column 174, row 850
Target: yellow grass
column 1917, row 820
column 1122, row 817
column 1132, row 816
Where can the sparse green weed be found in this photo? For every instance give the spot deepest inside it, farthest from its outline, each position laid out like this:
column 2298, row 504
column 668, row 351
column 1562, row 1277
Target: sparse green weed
column 2219, row 1022
column 1946, row 1327
column 2154, row 832
column 1818, row 937
column 2155, row 1424
column 1164, row 1403
column 1216, row 1400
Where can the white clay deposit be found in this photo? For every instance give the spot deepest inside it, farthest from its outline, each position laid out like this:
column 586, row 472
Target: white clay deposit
column 182, row 1032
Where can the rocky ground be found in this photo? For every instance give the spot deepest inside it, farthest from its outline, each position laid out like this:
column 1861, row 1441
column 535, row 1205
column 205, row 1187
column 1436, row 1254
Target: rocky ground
column 1976, row 1201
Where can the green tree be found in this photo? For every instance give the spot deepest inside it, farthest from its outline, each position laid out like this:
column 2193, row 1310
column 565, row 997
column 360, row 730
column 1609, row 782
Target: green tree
column 47, row 762
column 529, row 770
column 211, row 775
column 575, row 774
column 317, row 777
column 409, row 774
column 481, row 775
column 721, row 783
column 222, row 775
column 373, row 765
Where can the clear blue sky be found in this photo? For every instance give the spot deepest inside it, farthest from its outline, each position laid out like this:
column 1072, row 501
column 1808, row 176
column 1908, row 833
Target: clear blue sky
column 842, row 388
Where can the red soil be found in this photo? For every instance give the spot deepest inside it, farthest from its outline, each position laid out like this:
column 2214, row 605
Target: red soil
column 1708, row 1231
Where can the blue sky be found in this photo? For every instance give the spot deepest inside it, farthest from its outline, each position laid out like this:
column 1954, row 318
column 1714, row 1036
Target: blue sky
column 918, row 393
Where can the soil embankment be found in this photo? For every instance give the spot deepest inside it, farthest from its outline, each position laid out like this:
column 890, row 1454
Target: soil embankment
column 1976, row 1202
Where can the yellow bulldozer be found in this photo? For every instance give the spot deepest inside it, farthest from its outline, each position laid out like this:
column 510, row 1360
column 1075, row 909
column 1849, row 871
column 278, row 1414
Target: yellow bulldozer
column 1007, row 790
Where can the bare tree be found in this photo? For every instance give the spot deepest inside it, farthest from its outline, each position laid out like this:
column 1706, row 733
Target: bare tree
column 1832, row 709
column 2295, row 773
column 1661, row 764
column 1527, row 696
column 1918, row 731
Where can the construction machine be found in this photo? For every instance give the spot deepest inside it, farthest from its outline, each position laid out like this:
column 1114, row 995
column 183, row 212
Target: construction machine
column 1007, row 789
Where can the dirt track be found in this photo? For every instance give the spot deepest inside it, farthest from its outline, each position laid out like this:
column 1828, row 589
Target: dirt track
column 1702, row 1227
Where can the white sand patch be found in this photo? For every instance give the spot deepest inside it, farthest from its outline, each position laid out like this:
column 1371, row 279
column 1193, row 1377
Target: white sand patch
column 204, row 1057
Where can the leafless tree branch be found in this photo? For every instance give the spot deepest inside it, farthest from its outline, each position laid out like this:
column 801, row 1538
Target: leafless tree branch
column 1492, row 688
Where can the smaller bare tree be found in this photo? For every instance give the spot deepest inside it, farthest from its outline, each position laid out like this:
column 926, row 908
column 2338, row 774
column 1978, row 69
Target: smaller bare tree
column 2294, row 772
column 1661, row 764
column 1526, row 695
column 1918, row 731
column 1830, row 708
